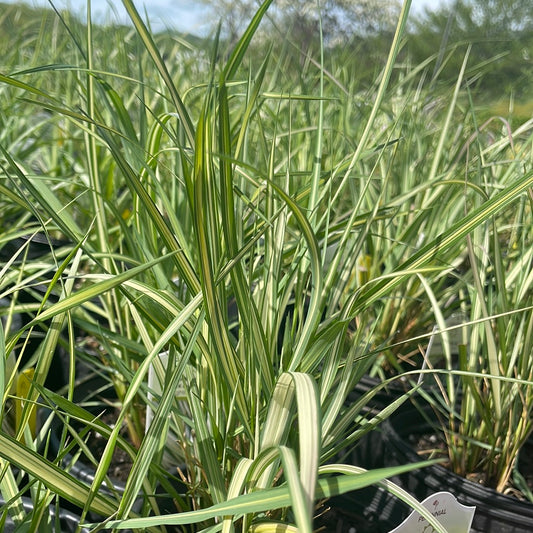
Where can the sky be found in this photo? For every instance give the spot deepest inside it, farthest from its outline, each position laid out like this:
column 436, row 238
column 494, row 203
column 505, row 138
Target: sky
column 183, row 15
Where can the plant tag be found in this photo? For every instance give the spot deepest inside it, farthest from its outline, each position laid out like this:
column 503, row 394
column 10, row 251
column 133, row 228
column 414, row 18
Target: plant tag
column 454, row 516
column 154, row 387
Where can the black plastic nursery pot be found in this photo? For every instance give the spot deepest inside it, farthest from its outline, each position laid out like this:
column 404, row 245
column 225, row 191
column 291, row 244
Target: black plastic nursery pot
column 371, row 509
column 383, row 395
column 368, row 510
column 38, row 245
column 83, row 471
column 28, row 299
column 98, row 390
column 60, row 521
column 495, row 512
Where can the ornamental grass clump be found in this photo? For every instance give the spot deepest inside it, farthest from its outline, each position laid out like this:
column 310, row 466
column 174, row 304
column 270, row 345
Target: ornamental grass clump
column 486, row 401
column 215, row 215
column 181, row 207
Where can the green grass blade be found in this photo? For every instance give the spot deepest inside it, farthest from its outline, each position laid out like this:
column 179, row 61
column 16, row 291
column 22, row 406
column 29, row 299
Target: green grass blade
column 52, row 476
column 108, row 282
column 314, row 311
column 148, row 448
column 164, row 232
column 150, row 45
column 298, row 492
column 269, row 499
column 10, row 492
column 455, row 234
column 237, row 55
column 390, row 487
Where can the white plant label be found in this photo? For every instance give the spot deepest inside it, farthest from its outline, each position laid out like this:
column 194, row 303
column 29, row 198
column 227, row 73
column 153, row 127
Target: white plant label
column 454, row 516
column 154, row 387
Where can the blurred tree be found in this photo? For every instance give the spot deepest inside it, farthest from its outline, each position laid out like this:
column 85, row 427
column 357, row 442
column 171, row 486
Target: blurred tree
column 501, row 32
column 300, row 18
column 495, row 18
